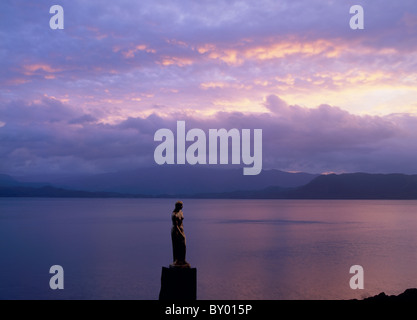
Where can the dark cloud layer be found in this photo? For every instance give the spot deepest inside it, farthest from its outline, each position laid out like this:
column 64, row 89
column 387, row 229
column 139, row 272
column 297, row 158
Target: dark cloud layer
column 49, row 137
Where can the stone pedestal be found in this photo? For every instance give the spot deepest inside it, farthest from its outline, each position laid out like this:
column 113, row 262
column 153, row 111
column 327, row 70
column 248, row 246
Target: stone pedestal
column 178, row 284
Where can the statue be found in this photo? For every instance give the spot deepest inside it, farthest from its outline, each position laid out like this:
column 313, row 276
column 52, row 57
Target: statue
column 178, row 237
column 179, row 281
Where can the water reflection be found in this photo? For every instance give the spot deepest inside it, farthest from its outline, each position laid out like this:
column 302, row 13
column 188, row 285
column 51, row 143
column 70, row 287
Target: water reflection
column 250, row 249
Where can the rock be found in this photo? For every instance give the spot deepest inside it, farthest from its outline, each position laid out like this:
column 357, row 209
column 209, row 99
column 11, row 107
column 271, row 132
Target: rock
column 409, row 294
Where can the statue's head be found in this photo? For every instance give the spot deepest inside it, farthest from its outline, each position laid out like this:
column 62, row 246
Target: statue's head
column 178, row 205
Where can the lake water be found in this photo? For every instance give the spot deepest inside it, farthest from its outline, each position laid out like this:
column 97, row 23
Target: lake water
column 243, row 249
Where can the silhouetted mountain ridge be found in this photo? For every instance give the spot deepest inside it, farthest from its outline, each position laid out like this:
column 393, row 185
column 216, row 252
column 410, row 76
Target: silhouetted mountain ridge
column 6, row 180
column 343, row 186
column 9, row 181
column 333, row 186
column 358, row 186
column 52, row 192
column 177, row 180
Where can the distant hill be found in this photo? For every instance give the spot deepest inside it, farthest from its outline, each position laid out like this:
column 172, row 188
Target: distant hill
column 9, row 181
column 176, row 180
column 343, row 186
column 51, row 192
column 6, row 180
column 267, row 193
column 358, row 186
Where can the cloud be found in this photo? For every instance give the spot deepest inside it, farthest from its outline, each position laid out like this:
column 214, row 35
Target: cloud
column 89, row 98
column 49, row 136
column 193, row 55
column 295, row 138
column 275, row 104
column 44, row 111
column 87, row 118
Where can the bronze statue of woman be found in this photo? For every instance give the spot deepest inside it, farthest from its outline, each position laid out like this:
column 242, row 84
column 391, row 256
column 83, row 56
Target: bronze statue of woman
column 178, row 237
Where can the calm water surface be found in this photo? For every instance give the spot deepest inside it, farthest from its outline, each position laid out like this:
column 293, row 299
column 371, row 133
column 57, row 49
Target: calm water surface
column 243, row 249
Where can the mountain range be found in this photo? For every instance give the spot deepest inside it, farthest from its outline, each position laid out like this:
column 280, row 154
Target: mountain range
column 169, row 180
column 333, row 186
column 214, row 183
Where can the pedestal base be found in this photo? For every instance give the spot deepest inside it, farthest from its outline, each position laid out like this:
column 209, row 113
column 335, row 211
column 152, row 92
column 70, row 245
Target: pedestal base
column 178, row 284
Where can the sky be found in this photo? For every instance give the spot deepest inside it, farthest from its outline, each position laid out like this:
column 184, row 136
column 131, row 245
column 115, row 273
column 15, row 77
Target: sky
column 89, row 98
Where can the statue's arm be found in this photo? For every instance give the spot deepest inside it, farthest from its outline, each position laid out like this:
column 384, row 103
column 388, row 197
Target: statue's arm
column 181, row 232
column 177, row 227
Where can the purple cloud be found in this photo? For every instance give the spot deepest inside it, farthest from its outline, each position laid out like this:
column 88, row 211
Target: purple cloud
column 322, row 139
column 90, row 97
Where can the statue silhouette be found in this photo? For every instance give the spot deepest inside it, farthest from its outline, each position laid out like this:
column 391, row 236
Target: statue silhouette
column 179, row 281
column 178, row 237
